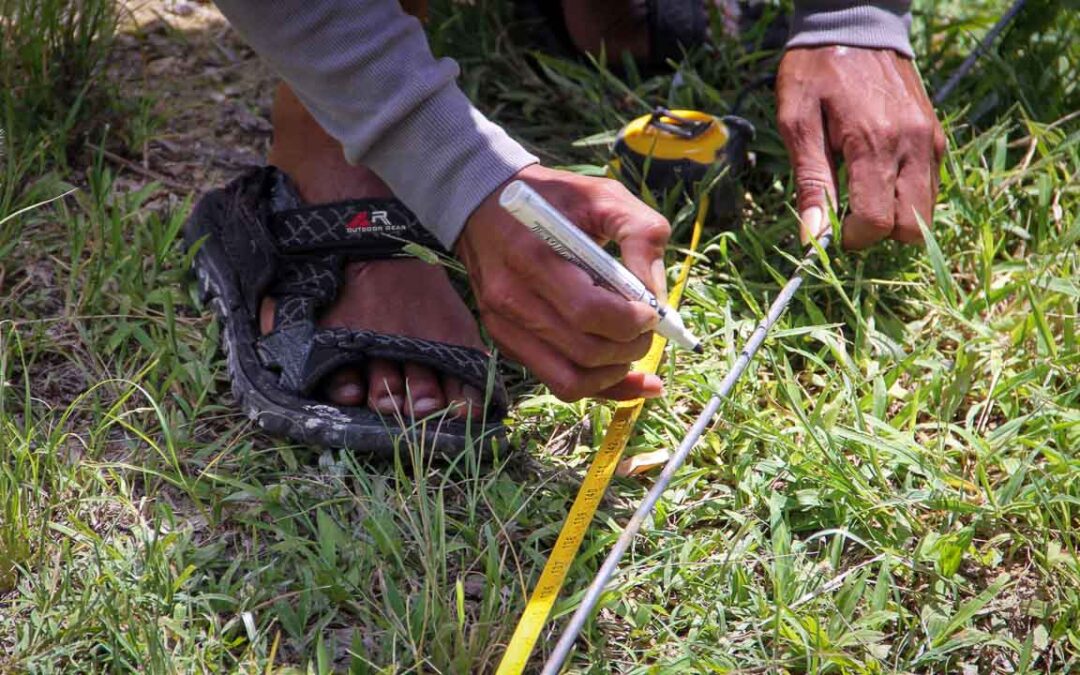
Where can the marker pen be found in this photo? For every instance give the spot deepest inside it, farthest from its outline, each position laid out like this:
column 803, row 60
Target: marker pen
column 535, row 213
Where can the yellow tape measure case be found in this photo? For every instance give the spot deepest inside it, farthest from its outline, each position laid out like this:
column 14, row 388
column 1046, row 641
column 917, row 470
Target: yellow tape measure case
column 667, row 148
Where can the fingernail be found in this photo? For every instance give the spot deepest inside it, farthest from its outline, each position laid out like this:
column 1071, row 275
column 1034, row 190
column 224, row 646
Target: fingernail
column 659, row 279
column 811, row 225
column 653, row 386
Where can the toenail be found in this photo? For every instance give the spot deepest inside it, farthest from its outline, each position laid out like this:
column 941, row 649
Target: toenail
column 349, row 390
column 472, row 394
column 387, row 403
column 425, row 405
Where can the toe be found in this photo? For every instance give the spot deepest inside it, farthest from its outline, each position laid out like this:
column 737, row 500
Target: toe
column 425, row 394
column 266, row 315
column 386, row 387
column 346, row 387
column 465, row 399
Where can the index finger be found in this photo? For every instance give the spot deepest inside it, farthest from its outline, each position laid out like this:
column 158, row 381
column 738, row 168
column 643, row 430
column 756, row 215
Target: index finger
column 584, row 305
column 803, row 131
column 642, row 234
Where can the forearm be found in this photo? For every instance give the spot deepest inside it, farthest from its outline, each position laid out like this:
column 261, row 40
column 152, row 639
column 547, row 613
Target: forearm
column 364, row 70
column 879, row 25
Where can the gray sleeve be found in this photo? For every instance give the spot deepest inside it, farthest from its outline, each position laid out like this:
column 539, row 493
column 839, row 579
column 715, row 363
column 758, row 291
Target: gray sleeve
column 878, row 25
column 364, row 70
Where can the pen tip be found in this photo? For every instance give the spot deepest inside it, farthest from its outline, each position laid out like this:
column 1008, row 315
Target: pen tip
column 699, row 348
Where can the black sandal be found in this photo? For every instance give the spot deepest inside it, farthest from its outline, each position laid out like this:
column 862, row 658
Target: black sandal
column 256, row 238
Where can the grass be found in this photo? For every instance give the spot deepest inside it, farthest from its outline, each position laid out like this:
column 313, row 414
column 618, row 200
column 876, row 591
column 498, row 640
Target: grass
column 893, row 487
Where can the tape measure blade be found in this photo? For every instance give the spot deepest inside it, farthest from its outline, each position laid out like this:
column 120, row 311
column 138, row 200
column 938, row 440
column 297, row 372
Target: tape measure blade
column 576, row 525
column 592, row 489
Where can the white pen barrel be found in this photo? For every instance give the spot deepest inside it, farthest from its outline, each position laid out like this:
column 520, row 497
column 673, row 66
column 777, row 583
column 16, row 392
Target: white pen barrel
column 570, row 241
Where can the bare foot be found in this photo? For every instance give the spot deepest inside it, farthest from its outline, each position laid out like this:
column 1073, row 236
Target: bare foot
column 403, row 297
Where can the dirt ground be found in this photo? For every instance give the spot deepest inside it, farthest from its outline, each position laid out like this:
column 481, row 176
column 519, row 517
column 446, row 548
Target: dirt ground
column 208, row 94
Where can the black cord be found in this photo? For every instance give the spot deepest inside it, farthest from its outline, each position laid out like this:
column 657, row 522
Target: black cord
column 978, row 51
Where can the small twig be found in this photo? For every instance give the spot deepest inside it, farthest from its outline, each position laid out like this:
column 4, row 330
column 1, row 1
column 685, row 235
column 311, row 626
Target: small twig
column 143, row 171
column 1019, row 173
column 1021, row 142
column 229, row 54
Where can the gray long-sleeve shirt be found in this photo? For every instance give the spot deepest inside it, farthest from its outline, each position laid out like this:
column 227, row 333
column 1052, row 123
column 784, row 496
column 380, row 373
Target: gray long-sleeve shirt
column 364, row 70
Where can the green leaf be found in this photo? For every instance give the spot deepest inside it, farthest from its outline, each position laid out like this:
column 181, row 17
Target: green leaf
column 324, row 664
column 939, row 264
column 969, row 609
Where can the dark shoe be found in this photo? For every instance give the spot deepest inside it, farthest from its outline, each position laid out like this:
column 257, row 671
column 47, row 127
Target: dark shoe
column 255, row 238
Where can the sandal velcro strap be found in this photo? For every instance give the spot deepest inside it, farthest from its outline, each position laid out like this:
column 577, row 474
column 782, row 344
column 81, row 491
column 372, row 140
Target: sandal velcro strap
column 306, row 357
column 364, row 229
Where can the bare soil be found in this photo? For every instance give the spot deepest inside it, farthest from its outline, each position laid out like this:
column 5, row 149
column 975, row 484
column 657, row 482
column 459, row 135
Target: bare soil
column 209, row 96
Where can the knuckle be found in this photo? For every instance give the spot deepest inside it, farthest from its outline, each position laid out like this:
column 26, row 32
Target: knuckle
column 498, row 297
column 887, row 131
column 788, row 123
column 875, row 219
column 813, row 182
column 582, row 312
column 940, row 145
column 657, row 227
column 878, row 222
column 567, row 387
column 641, row 347
column 908, row 235
column 920, row 128
column 611, row 189
column 590, row 354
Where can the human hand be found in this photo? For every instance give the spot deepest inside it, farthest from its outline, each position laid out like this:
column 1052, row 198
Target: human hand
column 868, row 106
column 546, row 313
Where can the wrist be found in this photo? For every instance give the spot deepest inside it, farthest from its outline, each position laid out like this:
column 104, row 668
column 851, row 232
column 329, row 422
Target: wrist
column 487, row 205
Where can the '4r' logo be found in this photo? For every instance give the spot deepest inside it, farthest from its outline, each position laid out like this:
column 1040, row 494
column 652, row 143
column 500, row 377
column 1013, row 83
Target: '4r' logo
column 359, row 221
column 373, row 222
column 364, row 220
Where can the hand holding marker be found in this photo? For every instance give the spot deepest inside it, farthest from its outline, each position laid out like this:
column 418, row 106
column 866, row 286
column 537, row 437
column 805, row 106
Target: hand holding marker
column 545, row 221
